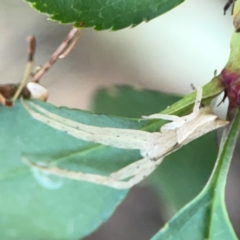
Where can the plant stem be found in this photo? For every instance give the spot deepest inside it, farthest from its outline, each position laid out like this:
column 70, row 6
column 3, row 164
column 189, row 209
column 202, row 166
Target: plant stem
column 31, row 50
column 59, row 51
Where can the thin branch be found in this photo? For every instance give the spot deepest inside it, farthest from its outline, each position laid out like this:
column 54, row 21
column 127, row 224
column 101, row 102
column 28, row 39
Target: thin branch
column 70, row 37
column 29, row 66
column 72, row 44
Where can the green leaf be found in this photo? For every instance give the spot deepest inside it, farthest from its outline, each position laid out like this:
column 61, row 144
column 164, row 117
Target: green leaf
column 129, row 102
column 190, row 164
column 64, row 209
column 104, row 14
column 34, row 205
column 126, row 101
column 206, row 216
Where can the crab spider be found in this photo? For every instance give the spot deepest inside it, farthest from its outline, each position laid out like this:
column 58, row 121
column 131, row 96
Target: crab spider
column 153, row 146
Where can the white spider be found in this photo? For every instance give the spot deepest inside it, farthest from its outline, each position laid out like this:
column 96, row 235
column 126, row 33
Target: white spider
column 153, row 146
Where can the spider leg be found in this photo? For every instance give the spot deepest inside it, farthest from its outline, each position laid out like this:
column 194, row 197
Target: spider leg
column 116, row 137
column 79, row 176
column 57, row 124
column 130, row 170
column 93, row 178
column 134, row 169
column 163, row 117
column 196, row 107
column 176, row 120
column 183, row 131
column 141, row 175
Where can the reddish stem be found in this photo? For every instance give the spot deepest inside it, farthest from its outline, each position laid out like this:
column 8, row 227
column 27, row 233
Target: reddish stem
column 55, row 55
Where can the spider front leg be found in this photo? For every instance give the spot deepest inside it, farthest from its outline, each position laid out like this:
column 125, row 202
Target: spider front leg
column 177, row 121
column 135, row 169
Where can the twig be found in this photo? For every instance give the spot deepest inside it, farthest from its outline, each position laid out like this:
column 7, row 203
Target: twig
column 8, row 91
column 31, row 50
column 70, row 37
column 72, row 44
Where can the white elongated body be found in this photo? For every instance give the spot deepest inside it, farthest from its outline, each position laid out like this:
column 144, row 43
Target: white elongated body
column 153, row 146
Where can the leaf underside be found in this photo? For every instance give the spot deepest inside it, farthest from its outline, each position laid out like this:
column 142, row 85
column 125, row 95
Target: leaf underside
column 104, row 14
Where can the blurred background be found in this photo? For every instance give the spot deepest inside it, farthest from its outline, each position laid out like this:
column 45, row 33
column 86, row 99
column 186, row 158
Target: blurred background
column 167, row 54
